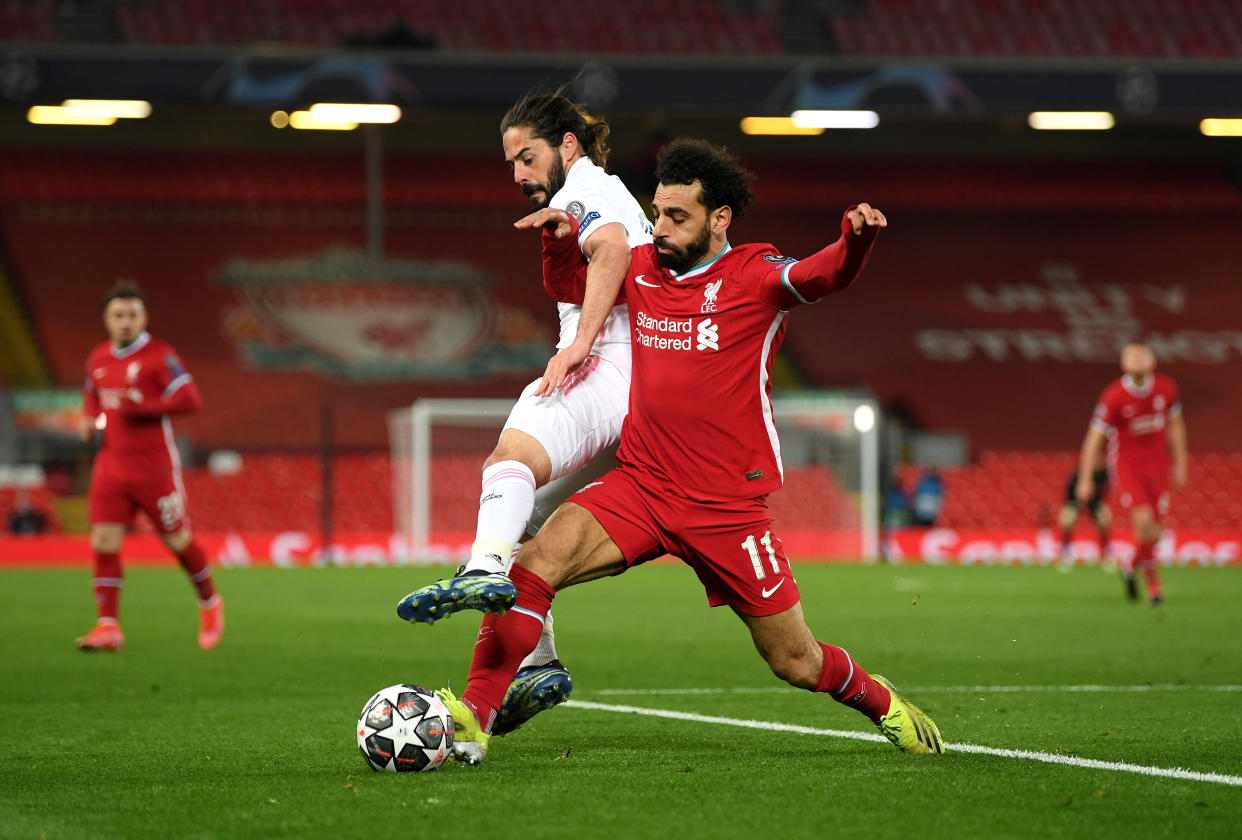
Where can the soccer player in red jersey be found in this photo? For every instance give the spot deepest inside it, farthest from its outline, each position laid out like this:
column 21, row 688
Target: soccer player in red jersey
column 699, row 451
column 1140, row 415
column 134, row 383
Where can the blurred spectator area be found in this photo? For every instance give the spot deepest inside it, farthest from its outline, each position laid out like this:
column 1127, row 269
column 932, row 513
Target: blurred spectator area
column 25, row 492
column 471, row 181
column 1026, row 489
column 277, row 492
column 1071, row 28
column 686, row 26
column 208, row 209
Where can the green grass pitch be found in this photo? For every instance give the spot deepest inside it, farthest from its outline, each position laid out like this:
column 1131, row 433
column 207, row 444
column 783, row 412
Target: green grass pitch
column 256, row 738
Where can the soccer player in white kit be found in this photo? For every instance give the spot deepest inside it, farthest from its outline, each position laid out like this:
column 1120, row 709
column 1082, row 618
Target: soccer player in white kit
column 563, row 430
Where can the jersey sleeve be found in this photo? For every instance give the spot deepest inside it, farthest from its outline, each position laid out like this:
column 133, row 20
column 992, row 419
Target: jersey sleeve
column 826, row 271
column 172, row 374
column 1104, row 418
column 592, row 210
column 1175, row 399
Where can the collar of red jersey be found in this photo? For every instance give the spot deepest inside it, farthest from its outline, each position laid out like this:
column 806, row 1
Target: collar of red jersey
column 133, row 347
column 1127, row 382
column 703, row 266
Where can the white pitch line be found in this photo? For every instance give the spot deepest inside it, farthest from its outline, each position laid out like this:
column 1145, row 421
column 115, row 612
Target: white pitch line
column 1047, row 758
column 928, row 689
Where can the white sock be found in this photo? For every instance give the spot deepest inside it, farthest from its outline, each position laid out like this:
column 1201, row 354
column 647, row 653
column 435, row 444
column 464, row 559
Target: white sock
column 545, row 651
column 505, row 504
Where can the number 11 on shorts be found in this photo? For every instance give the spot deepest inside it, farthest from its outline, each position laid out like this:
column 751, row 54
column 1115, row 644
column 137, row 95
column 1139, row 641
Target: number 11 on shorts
column 752, row 546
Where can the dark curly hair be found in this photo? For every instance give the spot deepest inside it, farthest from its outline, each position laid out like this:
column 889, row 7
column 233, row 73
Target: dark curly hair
column 549, row 116
column 122, row 290
column 726, row 183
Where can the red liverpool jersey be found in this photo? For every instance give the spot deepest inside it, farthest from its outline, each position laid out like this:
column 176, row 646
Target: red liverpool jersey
column 1137, row 419
column 135, row 388
column 700, row 419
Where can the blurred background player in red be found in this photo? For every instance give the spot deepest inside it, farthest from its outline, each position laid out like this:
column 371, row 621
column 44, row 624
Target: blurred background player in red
column 1141, row 415
column 1096, row 508
column 134, row 383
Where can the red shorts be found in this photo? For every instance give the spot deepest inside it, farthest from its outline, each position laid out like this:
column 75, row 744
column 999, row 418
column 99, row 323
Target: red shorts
column 730, row 545
column 1143, row 484
column 115, row 494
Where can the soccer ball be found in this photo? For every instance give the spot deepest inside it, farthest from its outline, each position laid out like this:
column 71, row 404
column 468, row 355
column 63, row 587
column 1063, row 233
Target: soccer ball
column 405, row 729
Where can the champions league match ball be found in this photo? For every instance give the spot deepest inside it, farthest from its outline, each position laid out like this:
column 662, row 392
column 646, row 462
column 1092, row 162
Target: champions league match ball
column 405, row 729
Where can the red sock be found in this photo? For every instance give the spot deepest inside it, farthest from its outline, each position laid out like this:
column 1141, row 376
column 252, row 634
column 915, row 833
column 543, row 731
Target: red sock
column 1145, row 559
column 504, row 641
column 845, row 681
column 1103, row 546
column 194, row 561
column 108, row 581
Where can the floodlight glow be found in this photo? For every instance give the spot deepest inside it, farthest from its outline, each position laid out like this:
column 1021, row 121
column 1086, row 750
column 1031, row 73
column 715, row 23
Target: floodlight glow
column 835, row 119
column 307, row 121
column 775, row 126
column 344, row 112
column 59, row 115
column 1070, row 120
column 125, row 109
column 1221, row 127
column 864, row 419
column 280, row 119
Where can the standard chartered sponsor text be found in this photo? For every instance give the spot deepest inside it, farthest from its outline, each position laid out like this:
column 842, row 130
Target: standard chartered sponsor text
column 663, row 333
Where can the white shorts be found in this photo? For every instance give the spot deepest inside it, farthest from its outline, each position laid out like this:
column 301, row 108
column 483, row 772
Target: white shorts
column 582, row 419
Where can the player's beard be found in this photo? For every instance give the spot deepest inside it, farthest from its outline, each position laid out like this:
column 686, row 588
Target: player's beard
column 556, row 180
column 681, row 260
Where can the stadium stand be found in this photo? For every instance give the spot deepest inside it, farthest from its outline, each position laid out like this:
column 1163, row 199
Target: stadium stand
column 700, row 26
column 207, row 209
column 1008, row 489
column 1140, row 28
column 39, row 498
column 1147, row 28
column 283, row 492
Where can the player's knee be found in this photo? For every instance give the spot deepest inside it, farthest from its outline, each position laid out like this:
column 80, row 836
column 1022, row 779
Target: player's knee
column 1069, row 515
column 534, row 557
column 178, row 541
column 107, row 538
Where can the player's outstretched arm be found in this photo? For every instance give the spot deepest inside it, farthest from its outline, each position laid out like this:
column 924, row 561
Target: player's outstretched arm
column 1178, row 446
column 1088, row 457
column 836, row 267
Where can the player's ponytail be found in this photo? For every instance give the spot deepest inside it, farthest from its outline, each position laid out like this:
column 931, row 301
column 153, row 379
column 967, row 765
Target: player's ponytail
column 550, row 116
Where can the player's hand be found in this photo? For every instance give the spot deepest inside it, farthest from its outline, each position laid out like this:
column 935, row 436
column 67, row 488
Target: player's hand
column 86, row 428
column 865, row 216
column 559, row 367
column 1084, row 490
column 557, row 221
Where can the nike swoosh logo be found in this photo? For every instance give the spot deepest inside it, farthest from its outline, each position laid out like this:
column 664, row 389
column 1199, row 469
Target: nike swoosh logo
column 767, row 593
column 592, row 484
column 640, row 281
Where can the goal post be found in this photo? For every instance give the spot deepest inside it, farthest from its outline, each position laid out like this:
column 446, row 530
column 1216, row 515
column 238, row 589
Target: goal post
column 829, row 507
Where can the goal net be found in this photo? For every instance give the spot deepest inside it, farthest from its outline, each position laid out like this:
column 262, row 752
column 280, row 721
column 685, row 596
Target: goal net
column 827, row 509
